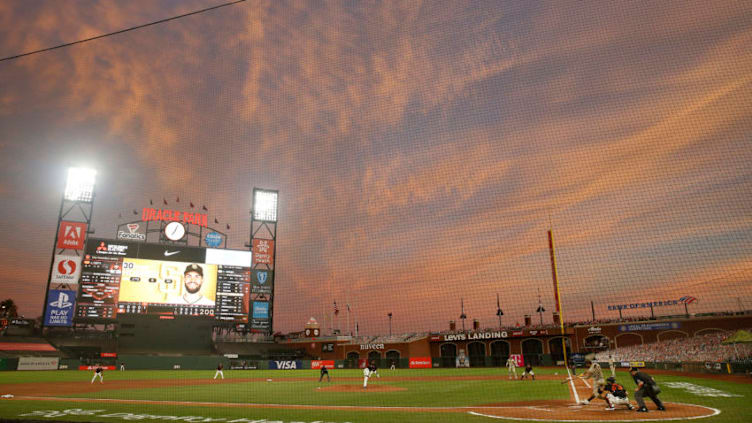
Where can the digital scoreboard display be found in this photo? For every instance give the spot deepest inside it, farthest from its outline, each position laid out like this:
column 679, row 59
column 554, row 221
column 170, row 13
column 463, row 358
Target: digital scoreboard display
column 120, row 277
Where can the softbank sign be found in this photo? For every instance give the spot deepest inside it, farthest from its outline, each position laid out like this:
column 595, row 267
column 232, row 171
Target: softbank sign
column 420, row 362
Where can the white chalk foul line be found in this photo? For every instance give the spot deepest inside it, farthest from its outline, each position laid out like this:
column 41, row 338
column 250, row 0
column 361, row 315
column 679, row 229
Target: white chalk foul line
column 714, row 410
column 571, row 383
column 263, row 405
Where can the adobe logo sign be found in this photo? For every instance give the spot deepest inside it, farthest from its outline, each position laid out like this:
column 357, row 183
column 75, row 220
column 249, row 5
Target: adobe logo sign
column 71, row 235
column 66, row 269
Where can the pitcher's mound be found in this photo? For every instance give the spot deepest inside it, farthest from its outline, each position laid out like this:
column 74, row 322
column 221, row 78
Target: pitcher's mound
column 356, row 388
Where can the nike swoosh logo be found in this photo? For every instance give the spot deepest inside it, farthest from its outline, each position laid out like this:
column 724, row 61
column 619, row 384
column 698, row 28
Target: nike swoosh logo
column 170, row 253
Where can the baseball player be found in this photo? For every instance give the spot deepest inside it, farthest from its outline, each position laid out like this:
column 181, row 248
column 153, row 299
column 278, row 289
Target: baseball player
column 373, row 369
column 596, row 374
column 219, row 371
column 512, row 367
column 122, row 366
column 98, row 373
column 612, row 366
column 615, row 395
column 393, row 366
column 528, row 371
column 324, row 371
column 366, row 375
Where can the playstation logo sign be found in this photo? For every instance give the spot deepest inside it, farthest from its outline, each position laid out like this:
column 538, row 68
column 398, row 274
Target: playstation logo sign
column 59, row 311
column 62, row 301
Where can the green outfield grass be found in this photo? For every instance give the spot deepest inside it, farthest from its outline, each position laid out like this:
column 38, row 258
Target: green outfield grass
column 299, row 387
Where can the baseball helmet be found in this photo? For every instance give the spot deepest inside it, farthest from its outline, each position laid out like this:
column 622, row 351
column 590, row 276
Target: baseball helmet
column 611, row 379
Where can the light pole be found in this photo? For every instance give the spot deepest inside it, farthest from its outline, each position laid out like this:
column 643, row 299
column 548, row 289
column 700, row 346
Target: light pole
column 463, row 316
column 498, row 309
column 540, row 309
column 79, row 191
column 390, row 324
column 264, row 252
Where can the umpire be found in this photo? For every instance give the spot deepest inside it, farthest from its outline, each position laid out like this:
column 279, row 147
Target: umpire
column 646, row 387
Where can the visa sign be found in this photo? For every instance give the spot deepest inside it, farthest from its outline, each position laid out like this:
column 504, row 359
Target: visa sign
column 285, row 365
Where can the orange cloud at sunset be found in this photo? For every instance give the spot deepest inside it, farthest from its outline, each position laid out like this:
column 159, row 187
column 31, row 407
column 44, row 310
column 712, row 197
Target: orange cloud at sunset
column 420, row 152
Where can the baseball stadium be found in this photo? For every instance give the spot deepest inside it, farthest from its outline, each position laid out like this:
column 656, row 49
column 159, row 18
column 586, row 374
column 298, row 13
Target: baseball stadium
column 278, row 211
column 171, row 326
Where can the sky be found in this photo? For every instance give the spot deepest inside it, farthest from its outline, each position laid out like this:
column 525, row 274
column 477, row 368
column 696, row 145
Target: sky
column 421, row 150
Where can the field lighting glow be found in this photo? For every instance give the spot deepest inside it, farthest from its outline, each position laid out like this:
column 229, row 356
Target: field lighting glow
column 265, row 205
column 80, row 184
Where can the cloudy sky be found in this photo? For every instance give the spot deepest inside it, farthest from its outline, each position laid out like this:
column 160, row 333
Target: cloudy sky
column 421, row 149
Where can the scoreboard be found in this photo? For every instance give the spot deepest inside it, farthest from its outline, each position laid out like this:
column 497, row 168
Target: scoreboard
column 121, row 277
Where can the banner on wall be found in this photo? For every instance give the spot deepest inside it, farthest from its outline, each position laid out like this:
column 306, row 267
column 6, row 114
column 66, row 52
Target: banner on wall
column 285, row 365
column 38, row 363
column 420, row 362
column 519, row 359
column 317, row 364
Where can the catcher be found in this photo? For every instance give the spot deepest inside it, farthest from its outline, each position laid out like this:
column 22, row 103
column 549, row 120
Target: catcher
column 615, row 395
column 596, row 374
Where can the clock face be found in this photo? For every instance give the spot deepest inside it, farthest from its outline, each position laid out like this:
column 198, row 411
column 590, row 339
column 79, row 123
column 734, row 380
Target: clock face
column 174, row 231
column 315, row 332
column 307, row 332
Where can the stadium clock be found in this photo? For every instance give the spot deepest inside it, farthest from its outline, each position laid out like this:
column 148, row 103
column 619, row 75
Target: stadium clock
column 174, row 231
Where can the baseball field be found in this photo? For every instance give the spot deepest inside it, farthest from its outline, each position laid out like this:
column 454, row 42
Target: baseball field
column 430, row 396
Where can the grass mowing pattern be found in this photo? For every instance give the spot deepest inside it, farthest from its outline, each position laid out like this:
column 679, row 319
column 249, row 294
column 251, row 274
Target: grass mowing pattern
column 431, row 391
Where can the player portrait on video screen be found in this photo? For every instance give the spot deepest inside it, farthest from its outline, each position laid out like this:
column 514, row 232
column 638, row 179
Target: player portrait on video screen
column 162, row 282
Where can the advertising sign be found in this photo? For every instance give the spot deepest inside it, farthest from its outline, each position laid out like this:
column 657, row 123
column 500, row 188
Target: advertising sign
column 65, row 270
column 132, row 232
column 261, row 281
column 519, row 359
column 420, row 362
column 165, row 215
column 649, row 326
column 260, row 315
column 317, row 364
column 95, row 367
column 285, row 364
column 71, row 235
column 59, row 310
column 213, row 239
column 38, row 363
column 263, row 252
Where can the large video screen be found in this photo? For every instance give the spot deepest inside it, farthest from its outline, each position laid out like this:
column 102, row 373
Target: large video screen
column 119, row 278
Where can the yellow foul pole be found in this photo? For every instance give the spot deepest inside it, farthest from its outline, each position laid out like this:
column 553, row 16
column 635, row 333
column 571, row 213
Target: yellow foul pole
column 556, row 292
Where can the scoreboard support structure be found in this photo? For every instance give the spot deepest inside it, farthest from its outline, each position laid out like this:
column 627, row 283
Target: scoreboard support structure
column 73, row 225
column 264, row 251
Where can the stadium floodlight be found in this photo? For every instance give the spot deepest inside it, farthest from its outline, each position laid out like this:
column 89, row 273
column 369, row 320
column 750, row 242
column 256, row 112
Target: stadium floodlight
column 265, row 205
column 80, row 184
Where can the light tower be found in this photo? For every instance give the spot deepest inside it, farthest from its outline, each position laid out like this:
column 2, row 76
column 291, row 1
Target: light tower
column 73, row 227
column 264, row 251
